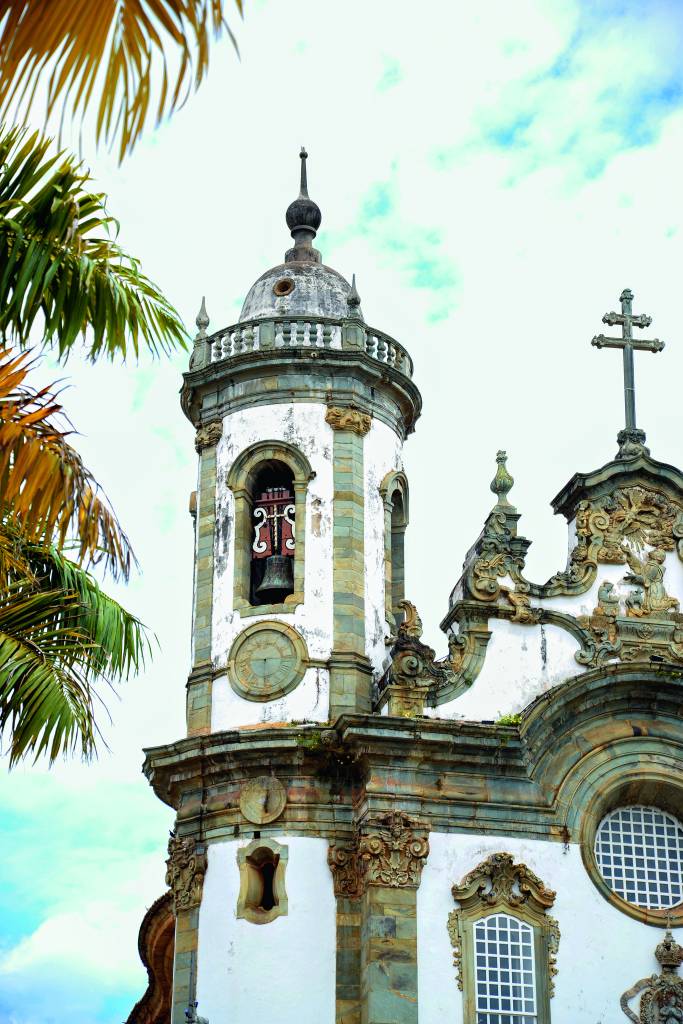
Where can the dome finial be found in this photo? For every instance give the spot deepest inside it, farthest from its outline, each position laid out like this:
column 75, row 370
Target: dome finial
column 303, row 191
column 303, row 221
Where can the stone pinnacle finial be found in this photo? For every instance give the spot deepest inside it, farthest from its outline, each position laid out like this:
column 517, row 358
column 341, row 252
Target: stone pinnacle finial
column 502, row 482
column 353, row 298
column 303, row 156
column 202, row 321
column 303, row 220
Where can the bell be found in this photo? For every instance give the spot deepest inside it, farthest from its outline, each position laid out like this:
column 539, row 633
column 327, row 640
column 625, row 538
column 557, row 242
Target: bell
column 278, row 580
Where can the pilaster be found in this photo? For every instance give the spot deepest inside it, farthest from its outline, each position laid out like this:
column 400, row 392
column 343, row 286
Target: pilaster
column 199, row 683
column 376, row 877
column 350, row 670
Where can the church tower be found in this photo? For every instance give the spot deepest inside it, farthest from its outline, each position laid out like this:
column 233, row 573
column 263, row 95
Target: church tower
column 367, row 833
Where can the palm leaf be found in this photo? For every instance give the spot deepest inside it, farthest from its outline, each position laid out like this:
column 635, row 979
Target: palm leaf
column 59, row 634
column 111, row 53
column 47, row 496
column 60, row 267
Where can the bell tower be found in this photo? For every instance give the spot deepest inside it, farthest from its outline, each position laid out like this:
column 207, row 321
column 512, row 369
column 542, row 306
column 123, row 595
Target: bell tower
column 301, row 411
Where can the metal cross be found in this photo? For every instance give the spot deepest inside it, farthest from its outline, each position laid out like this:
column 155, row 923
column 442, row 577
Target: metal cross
column 628, row 320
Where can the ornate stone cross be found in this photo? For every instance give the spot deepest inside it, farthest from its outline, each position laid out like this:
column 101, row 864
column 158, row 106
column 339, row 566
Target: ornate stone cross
column 631, row 440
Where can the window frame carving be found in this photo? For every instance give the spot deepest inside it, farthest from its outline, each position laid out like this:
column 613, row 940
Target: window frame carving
column 394, row 592
column 240, row 480
column 245, row 909
column 498, row 885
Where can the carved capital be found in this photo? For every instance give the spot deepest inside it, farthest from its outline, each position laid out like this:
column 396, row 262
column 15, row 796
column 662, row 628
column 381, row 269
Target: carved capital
column 345, row 867
column 208, row 435
column 185, row 870
column 392, row 850
column 348, row 419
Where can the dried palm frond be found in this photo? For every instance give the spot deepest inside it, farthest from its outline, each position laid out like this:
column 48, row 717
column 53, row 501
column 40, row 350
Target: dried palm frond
column 59, row 635
column 57, row 259
column 44, row 487
column 121, row 51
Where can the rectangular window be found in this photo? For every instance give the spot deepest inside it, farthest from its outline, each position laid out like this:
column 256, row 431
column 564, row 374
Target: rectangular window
column 505, row 971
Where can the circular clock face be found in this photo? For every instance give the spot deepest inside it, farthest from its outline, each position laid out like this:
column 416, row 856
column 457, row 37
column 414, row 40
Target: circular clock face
column 267, row 660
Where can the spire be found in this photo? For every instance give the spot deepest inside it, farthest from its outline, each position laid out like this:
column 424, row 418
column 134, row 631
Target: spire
column 303, row 220
column 303, row 191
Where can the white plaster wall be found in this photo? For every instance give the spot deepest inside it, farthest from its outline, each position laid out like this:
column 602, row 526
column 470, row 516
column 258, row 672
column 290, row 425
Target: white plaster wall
column 381, row 455
column 524, row 661
column 302, row 425
column 283, row 971
column 602, row 951
column 521, row 663
column 309, row 701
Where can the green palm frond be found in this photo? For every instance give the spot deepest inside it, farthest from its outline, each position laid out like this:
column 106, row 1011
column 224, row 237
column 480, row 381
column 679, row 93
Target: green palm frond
column 60, row 636
column 117, row 49
column 60, row 267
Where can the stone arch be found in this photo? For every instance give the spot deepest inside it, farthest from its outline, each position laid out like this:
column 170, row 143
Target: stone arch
column 240, row 480
column 395, row 497
column 606, row 739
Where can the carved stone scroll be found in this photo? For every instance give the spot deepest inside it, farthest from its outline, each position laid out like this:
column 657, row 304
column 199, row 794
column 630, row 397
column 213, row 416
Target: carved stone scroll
column 345, row 868
column 185, row 870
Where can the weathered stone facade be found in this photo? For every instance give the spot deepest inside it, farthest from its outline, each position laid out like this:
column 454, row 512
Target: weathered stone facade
column 348, row 815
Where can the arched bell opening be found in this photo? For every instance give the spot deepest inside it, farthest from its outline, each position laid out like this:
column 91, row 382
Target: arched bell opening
column 273, row 538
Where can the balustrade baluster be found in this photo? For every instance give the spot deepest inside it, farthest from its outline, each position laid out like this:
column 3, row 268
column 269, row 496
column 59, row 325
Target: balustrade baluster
column 327, row 335
column 381, row 348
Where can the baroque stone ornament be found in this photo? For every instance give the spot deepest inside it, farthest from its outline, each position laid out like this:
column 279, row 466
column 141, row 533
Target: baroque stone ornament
column 498, row 884
column 661, row 1001
column 413, row 671
column 392, row 850
column 348, row 419
column 345, row 867
column 185, row 870
column 633, row 526
column 208, row 435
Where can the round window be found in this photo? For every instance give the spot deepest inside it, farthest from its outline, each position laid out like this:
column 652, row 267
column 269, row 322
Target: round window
column 284, row 286
column 639, row 853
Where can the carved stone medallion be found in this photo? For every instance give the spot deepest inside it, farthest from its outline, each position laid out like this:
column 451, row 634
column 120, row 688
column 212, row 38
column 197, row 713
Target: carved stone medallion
column 263, row 799
column 267, row 660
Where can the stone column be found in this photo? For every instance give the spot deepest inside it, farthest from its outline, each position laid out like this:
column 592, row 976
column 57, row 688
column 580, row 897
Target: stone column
column 350, row 669
column 200, row 680
column 376, row 878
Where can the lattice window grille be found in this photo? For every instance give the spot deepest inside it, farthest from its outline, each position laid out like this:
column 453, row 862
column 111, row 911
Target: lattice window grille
column 639, row 852
column 505, row 973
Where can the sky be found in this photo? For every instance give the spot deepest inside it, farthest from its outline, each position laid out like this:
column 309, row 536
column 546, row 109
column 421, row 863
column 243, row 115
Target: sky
column 494, row 174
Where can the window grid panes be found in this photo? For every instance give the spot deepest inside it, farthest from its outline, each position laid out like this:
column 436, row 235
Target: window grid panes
column 505, row 975
column 639, row 852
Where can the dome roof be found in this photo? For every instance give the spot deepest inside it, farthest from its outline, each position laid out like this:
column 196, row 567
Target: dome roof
column 299, row 290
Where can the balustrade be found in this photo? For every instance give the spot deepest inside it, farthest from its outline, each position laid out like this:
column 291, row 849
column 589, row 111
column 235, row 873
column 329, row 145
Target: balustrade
column 255, row 335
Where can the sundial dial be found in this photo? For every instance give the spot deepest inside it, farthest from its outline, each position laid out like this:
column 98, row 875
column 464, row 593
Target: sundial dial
column 263, row 799
column 267, row 661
